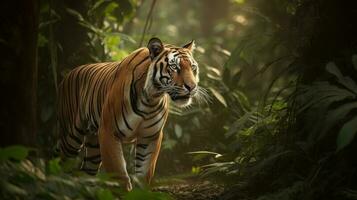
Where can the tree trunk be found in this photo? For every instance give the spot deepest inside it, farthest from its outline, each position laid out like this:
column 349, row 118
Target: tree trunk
column 18, row 72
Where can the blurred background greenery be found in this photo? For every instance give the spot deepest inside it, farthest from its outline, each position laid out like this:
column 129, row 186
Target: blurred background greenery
column 281, row 75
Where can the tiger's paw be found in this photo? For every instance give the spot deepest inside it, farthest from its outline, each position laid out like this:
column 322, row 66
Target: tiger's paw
column 140, row 182
column 126, row 182
column 128, row 186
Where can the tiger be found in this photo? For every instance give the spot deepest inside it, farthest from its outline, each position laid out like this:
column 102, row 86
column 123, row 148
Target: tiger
column 103, row 106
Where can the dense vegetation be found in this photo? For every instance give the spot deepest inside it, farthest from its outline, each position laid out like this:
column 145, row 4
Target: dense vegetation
column 281, row 77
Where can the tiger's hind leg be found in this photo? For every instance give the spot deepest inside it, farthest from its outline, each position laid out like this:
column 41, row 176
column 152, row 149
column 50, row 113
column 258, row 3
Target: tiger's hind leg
column 70, row 144
column 92, row 159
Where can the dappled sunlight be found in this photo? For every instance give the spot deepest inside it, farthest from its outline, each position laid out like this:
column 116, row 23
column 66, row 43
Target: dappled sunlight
column 261, row 99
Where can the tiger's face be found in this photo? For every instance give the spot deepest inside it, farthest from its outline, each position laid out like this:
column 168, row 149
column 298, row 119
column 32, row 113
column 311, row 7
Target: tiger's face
column 175, row 71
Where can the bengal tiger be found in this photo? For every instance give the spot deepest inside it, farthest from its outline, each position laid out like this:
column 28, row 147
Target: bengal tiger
column 104, row 105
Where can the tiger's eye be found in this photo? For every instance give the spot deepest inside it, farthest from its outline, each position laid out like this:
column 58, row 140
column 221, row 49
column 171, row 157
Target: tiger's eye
column 173, row 68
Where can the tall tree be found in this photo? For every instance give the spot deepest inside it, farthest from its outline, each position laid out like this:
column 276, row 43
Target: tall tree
column 18, row 71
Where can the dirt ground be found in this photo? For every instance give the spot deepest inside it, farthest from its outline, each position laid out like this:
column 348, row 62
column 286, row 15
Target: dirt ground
column 192, row 190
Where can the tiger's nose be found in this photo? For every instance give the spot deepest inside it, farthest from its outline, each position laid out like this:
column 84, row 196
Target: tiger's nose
column 190, row 87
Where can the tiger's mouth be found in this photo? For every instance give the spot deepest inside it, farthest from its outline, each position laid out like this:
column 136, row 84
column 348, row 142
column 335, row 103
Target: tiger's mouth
column 183, row 97
column 181, row 101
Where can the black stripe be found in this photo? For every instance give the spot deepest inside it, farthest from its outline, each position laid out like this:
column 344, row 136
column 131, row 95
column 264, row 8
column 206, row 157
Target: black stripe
column 143, row 155
column 75, row 138
column 117, row 127
column 144, row 146
column 145, row 101
column 153, row 124
column 96, row 162
column 94, row 146
column 137, row 165
column 147, row 104
column 68, row 152
column 133, row 95
column 79, row 130
column 92, row 158
column 155, row 65
column 139, row 158
column 67, row 145
column 153, row 136
column 161, row 75
column 90, row 171
column 125, row 121
column 156, row 111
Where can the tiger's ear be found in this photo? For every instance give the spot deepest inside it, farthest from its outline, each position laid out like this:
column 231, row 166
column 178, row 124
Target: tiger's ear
column 155, row 47
column 190, row 46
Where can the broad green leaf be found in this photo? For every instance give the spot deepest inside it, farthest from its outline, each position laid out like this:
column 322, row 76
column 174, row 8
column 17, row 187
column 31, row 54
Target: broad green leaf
column 16, row 152
column 54, row 167
column 104, row 194
column 336, row 115
column 333, row 69
column 198, row 155
column 345, row 81
column 347, row 133
column 218, row 96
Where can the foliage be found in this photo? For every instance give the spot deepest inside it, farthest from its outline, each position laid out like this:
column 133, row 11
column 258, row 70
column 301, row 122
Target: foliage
column 252, row 137
column 37, row 179
column 331, row 104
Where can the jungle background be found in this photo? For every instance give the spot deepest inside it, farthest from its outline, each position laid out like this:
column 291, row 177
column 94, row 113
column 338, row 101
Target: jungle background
column 279, row 124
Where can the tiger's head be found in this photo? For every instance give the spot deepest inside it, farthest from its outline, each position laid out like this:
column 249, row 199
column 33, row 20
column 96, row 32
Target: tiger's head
column 173, row 71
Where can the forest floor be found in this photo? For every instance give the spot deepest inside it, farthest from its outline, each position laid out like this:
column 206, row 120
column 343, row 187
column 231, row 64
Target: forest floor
column 191, row 189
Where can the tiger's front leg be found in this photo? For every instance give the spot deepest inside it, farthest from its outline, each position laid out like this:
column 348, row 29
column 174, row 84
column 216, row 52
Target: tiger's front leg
column 146, row 154
column 113, row 160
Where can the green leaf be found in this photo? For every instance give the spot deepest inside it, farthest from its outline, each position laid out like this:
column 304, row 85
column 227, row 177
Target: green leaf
column 218, row 96
column 104, row 194
column 346, row 134
column 333, row 69
column 334, row 116
column 75, row 14
column 16, row 152
column 110, row 8
column 13, row 189
column 198, row 155
column 54, row 167
column 345, row 81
